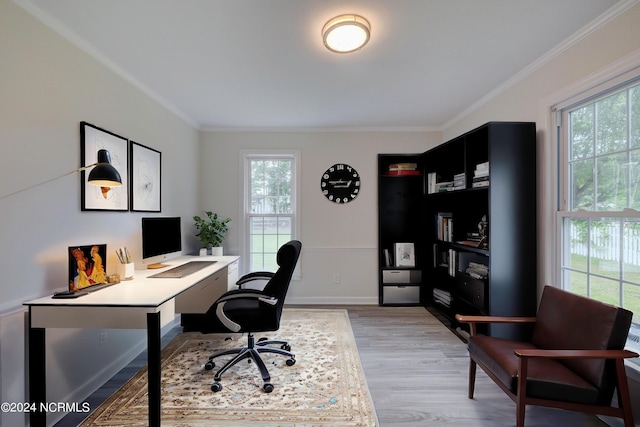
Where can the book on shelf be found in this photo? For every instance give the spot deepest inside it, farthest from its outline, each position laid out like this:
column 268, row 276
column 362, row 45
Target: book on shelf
column 431, row 182
column 403, row 169
column 444, row 226
column 442, row 297
column 472, row 243
column 477, row 270
column 452, row 263
column 387, row 258
column 405, row 254
column 482, row 167
column 480, row 184
column 459, row 181
column 403, row 172
column 444, row 186
column 399, row 166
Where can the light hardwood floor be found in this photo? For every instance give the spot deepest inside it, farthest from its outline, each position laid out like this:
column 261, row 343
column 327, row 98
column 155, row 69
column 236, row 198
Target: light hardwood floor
column 417, row 373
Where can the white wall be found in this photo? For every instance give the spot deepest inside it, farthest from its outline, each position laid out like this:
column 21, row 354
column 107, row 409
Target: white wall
column 337, row 239
column 47, row 86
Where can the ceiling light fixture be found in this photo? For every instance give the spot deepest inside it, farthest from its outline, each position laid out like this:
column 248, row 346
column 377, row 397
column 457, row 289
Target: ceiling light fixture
column 346, row 33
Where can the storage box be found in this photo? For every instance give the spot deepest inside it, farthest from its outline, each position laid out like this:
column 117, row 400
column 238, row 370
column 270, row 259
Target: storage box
column 401, row 294
column 401, row 276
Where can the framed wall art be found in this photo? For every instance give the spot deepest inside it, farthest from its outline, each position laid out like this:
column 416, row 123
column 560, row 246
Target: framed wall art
column 145, row 188
column 92, row 139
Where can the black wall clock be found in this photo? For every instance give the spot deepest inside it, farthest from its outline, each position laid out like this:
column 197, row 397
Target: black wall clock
column 340, row 183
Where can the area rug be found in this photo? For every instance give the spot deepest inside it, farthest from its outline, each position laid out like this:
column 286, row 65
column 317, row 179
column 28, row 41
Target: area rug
column 325, row 387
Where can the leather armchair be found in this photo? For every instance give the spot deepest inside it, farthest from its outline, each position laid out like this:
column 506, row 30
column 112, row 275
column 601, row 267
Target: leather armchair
column 574, row 360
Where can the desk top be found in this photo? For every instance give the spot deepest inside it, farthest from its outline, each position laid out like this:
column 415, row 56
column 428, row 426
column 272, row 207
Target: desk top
column 143, row 291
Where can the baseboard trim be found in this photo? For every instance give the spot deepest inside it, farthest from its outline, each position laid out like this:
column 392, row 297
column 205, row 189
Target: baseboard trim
column 332, row 300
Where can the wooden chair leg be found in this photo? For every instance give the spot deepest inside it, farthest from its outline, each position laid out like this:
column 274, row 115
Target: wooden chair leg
column 521, row 399
column 624, row 400
column 472, row 377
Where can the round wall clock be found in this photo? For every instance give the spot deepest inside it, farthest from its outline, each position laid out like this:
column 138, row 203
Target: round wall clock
column 340, row 183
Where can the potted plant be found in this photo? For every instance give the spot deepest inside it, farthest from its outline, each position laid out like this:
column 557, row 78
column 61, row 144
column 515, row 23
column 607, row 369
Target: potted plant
column 211, row 231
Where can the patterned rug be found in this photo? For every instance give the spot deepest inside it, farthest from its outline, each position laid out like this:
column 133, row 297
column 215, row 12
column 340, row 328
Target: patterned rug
column 325, row 387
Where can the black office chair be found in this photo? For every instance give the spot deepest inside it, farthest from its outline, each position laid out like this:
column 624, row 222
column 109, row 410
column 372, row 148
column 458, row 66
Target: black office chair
column 252, row 310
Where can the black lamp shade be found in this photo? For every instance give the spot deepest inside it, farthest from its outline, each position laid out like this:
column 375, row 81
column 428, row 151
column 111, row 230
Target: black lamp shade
column 104, row 174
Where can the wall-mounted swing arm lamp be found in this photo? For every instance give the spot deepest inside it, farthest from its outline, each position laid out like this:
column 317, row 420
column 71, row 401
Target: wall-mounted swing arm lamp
column 103, row 174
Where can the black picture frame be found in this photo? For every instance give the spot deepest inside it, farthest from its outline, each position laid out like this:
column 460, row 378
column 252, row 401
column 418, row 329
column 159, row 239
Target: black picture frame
column 146, row 178
column 94, row 198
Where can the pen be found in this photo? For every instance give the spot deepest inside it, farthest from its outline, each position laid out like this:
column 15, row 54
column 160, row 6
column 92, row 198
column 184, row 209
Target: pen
column 119, row 257
column 126, row 253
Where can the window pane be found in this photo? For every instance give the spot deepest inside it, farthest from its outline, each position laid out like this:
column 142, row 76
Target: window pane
column 612, row 182
column 605, row 248
column 605, row 290
column 611, row 123
column 631, row 297
column 634, row 118
column 631, row 251
column 271, row 186
column 576, row 248
column 634, row 179
column 581, row 178
column 578, row 283
column 582, row 132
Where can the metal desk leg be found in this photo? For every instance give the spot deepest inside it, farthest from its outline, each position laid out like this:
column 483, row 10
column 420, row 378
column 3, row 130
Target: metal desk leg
column 154, row 368
column 37, row 375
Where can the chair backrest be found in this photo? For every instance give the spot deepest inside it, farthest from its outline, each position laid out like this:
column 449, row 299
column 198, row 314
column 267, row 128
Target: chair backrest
column 567, row 321
column 278, row 285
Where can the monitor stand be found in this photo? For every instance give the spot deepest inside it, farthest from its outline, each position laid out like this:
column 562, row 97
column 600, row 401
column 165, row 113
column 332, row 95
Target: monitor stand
column 157, row 265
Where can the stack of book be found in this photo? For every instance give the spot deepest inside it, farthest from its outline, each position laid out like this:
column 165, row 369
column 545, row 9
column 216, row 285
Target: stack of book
column 473, row 239
column 459, row 181
column 435, row 186
column 481, row 175
column 442, row 297
column 403, row 169
column 477, row 270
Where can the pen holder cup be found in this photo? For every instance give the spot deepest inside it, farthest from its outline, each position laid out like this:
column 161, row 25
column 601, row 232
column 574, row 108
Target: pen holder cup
column 126, row 271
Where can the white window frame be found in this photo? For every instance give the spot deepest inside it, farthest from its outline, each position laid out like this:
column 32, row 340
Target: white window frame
column 245, row 199
column 616, row 77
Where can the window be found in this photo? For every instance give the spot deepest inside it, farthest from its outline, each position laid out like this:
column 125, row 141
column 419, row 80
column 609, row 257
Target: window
column 599, row 203
column 270, row 209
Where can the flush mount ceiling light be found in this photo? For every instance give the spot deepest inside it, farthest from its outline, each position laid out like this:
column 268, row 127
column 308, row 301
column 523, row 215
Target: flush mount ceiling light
column 346, row 33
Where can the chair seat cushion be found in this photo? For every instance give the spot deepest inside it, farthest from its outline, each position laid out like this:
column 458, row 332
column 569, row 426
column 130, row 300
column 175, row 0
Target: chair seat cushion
column 546, row 378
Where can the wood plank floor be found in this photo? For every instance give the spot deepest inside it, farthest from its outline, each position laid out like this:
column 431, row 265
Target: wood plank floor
column 417, row 372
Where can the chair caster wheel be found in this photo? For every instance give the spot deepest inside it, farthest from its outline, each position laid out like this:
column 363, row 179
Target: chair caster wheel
column 291, row 362
column 209, row 365
column 286, row 347
column 216, row 387
column 268, row 388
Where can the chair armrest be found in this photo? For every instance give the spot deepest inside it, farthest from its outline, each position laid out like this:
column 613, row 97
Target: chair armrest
column 256, row 275
column 575, row 354
column 241, row 293
column 237, row 294
column 473, row 320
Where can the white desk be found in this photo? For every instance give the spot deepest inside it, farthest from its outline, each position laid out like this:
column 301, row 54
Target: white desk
column 141, row 303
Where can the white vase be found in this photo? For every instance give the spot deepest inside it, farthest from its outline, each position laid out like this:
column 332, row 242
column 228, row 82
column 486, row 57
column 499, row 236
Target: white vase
column 216, row 251
column 203, row 251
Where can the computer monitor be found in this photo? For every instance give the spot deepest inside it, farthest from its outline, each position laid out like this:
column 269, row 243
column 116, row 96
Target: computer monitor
column 161, row 240
column 87, row 266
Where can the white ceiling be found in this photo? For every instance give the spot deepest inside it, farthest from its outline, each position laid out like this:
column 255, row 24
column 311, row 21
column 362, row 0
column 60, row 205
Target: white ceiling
column 261, row 63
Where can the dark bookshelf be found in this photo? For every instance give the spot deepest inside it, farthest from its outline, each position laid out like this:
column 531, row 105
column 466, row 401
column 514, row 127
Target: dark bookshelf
column 506, row 198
